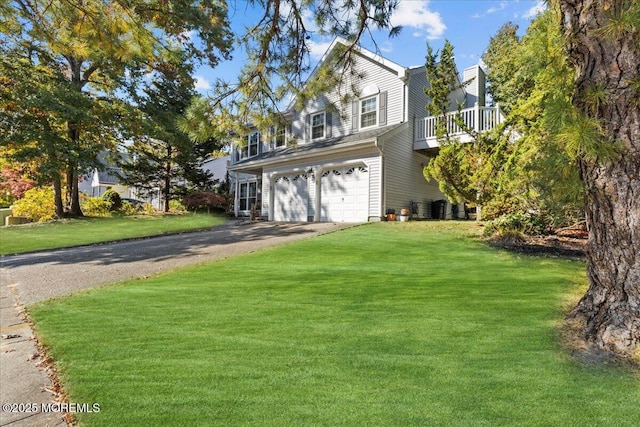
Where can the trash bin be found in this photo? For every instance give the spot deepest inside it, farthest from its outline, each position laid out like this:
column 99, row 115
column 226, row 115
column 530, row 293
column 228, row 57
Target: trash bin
column 438, row 209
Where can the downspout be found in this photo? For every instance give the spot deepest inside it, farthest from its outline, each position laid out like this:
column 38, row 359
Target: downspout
column 405, row 95
column 383, row 173
column 317, row 215
column 236, row 201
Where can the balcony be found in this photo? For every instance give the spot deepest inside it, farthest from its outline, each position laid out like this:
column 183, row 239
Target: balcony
column 478, row 118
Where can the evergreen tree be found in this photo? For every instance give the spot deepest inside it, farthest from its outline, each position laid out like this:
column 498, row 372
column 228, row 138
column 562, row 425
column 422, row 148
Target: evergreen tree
column 465, row 172
column 278, row 63
column 602, row 39
column 531, row 78
column 161, row 155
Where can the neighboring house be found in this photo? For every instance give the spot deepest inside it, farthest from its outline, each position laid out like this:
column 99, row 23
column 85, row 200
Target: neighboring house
column 104, row 178
column 355, row 164
column 217, row 167
column 96, row 184
column 107, row 178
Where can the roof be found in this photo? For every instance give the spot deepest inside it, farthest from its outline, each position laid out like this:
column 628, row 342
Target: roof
column 106, row 171
column 396, row 68
column 399, row 69
column 108, row 176
column 286, row 153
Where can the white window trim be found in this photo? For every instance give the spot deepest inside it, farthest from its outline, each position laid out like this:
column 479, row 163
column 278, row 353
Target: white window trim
column 375, row 111
column 257, row 144
column 283, row 131
column 324, row 125
column 249, row 199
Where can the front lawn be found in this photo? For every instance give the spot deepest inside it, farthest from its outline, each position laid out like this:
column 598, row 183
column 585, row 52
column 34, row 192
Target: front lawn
column 66, row 233
column 380, row 325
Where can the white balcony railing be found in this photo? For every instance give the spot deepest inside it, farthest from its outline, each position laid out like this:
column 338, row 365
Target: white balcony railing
column 477, row 118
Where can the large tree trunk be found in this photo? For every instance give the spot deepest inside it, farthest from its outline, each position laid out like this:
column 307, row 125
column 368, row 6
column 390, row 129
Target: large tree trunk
column 608, row 60
column 167, row 178
column 57, row 196
column 73, row 194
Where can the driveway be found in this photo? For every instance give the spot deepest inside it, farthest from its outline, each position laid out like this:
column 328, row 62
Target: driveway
column 25, row 387
column 40, row 276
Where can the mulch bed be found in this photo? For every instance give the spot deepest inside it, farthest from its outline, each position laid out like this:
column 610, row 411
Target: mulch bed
column 566, row 244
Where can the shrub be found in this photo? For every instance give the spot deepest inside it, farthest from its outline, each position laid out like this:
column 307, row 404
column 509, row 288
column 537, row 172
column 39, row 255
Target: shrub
column 96, row 206
column 176, row 206
column 205, row 200
column 147, row 209
column 130, row 209
column 512, row 224
column 114, row 200
column 37, row 204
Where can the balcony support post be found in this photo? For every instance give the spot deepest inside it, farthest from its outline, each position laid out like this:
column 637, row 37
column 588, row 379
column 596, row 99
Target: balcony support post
column 476, row 112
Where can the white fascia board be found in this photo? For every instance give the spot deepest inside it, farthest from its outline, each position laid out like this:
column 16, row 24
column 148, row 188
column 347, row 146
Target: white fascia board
column 401, row 71
column 302, row 155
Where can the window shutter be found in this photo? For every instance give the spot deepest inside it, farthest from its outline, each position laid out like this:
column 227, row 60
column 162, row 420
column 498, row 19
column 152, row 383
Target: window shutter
column 307, row 128
column 382, row 114
column 355, row 117
column 328, row 124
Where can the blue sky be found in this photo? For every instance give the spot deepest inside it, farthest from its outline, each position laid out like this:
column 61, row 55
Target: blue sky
column 467, row 24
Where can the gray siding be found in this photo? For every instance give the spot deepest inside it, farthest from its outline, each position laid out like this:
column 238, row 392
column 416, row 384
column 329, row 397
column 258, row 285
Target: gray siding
column 403, row 178
column 417, row 99
column 373, row 73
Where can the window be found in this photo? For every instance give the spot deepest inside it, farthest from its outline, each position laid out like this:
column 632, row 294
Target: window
column 254, row 140
column 248, row 195
column 368, row 112
column 317, row 125
column 280, row 137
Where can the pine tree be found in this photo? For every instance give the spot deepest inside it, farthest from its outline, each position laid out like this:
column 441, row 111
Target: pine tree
column 161, row 155
column 603, row 43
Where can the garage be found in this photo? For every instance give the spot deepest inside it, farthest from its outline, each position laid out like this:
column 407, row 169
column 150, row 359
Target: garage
column 291, row 198
column 344, row 195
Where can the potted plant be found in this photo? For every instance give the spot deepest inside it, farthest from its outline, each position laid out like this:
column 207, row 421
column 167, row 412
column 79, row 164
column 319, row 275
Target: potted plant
column 404, row 215
column 391, row 214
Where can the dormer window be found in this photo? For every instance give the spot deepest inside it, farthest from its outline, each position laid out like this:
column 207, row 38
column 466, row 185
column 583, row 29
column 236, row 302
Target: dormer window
column 368, row 112
column 318, row 125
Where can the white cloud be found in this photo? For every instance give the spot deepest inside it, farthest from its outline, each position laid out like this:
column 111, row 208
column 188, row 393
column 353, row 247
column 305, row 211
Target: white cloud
column 201, row 83
column 539, row 7
column 307, row 16
column 416, row 14
column 501, row 6
column 317, row 49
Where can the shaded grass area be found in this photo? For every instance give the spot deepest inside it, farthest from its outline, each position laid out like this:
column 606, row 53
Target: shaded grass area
column 66, row 233
column 385, row 324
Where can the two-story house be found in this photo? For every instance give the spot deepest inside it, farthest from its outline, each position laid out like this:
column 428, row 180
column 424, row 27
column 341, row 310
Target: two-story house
column 354, row 164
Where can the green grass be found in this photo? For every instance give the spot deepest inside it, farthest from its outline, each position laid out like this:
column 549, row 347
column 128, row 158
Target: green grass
column 381, row 325
column 66, row 233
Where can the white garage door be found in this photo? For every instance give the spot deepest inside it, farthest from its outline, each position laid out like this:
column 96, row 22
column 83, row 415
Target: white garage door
column 291, row 197
column 344, row 195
